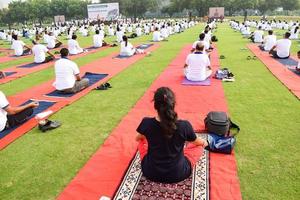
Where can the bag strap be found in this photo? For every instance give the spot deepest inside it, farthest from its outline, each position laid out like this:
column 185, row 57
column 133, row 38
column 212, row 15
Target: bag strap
column 233, row 126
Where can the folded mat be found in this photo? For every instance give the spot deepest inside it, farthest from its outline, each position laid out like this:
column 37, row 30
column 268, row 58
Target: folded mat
column 104, row 172
column 93, row 78
column 136, row 186
column 142, row 46
column 280, row 68
column 9, row 73
column 206, row 82
column 43, row 105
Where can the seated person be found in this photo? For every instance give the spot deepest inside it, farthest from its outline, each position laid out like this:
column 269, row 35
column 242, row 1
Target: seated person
column 269, row 41
column 197, row 67
column 298, row 66
column 127, row 48
column 73, row 46
column 282, row 47
column 98, row 40
column 68, row 80
column 157, row 36
column 10, row 116
column 18, row 47
column 166, row 159
column 295, row 33
column 53, row 43
column 39, row 51
column 201, row 39
column 257, row 36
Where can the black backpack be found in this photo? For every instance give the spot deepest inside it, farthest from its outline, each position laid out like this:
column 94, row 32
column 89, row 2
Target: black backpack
column 219, row 123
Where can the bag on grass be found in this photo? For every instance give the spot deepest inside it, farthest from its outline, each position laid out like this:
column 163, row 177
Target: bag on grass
column 223, row 74
column 214, row 39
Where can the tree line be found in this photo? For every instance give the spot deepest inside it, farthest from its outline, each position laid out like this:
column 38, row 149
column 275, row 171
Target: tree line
column 39, row 10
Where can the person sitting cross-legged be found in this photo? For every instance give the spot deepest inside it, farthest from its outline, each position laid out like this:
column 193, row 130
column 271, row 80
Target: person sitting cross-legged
column 73, row 46
column 197, row 66
column 162, row 139
column 282, row 47
column 68, row 80
column 269, row 41
column 20, row 48
column 39, row 51
column 11, row 116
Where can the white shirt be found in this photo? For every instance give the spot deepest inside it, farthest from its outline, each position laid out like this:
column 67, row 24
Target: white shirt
column 258, row 36
column 206, row 45
column 197, row 66
column 127, row 50
column 270, row 42
column 74, row 47
column 3, row 114
column 18, row 46
column 156, row 36
column 51, row 42
column 39, row 52
column 283, row 47
column 65, row 71
column 119, row 35
column 97, row 40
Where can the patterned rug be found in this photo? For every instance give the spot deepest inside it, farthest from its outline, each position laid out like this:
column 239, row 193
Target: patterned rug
column 135, row 186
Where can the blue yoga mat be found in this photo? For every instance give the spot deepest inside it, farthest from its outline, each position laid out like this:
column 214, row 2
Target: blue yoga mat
column 144, row 46
column 92, row 48
column 43, row 105
column 30, row 65
column 121, row 57
column 289, row 62
column 9, row 73
column 93, row 78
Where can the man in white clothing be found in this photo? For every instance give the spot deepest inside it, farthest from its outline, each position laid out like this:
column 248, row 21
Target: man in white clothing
column 53, row 42
column 39, row 51
column 18, row 47
column 269, row 41
column 282, row 47
column 257, row 36
column 11, row 116
column 197, row 66
column 68, row 80
column 73, row 46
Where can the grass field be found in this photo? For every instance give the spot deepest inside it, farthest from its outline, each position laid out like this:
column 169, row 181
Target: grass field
column 38, row 166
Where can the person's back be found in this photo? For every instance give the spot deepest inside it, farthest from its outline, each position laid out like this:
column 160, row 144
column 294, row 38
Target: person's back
column 51, row 42
column 270, row 41
column 97, row 40
column 39, row 52
column 65, row 71
column 197, row 66
column 258, row 36
column 165, row 161
column 156, row 36
column 17, row 46
column 283, row 47
column 126, row 50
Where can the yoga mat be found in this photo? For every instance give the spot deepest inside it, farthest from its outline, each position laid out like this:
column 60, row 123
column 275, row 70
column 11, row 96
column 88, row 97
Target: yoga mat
column 30, row 65
column 43, row 105
column 93, row 78
column 103, row 173
column 136, row 186
column 122, row 57
column 92, row 48
column 280, row 69
column 289, row 62
column 206, row 82
column 144, row 46
column 9, row 73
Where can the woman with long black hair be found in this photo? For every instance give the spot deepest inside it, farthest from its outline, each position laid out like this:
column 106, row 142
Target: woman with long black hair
column 166, row 159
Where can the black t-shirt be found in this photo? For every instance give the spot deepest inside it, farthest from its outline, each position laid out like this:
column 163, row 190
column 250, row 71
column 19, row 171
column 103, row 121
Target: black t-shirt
column 165, row 161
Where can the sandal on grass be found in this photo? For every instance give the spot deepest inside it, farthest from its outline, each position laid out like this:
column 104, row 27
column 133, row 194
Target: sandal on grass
column 101, row 87
column 49, row 125
column 222, row 57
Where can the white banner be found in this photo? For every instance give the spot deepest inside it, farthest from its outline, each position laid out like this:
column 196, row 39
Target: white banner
column 106, row 11
column 216, row 12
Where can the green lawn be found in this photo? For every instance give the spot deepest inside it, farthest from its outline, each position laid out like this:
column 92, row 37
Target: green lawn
column 45, row 163
column 267, row 148
column 39, row 166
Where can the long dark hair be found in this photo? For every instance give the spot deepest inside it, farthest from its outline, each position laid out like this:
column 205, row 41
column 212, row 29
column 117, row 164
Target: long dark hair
column 164, row 104
column 125, row 39
column 296, row 29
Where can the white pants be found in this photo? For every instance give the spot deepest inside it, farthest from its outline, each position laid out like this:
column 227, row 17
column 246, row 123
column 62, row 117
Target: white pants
column 208, row 73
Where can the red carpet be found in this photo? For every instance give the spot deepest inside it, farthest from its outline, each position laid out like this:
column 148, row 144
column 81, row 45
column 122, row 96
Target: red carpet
column 21, row 72
column 106, row 65
column 284, row 75
column 103, row 173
